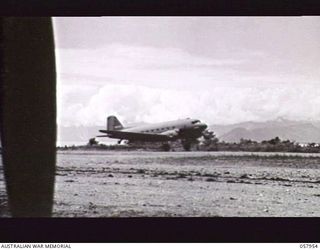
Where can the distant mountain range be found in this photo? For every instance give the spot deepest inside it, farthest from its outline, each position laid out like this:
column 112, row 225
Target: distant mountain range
column 77, row 135
column 299, row 131
column 80, row 135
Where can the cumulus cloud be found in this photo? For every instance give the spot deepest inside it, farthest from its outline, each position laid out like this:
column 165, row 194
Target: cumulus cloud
column 216, row 105
column 156, row 84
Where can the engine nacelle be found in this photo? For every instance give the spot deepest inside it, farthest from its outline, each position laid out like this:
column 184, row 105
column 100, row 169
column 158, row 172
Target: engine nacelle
column 171, row 133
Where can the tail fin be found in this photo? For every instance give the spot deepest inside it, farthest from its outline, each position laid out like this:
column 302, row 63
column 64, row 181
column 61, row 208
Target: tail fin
column 113, row 123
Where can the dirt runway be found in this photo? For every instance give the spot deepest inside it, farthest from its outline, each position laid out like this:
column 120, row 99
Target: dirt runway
column 209, row 184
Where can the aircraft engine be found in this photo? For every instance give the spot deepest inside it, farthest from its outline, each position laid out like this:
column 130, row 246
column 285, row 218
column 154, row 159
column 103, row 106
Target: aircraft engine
column 171, row 133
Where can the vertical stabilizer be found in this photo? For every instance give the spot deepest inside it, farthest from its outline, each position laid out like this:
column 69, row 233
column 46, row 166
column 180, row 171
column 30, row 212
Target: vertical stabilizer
column 113, row 123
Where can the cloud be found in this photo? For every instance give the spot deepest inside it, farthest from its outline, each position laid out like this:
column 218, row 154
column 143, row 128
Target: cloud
column 156, row 84
column 142, row 65
column 217, row 105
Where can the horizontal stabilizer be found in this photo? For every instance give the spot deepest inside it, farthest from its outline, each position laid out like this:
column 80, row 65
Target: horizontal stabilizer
column 105, row 131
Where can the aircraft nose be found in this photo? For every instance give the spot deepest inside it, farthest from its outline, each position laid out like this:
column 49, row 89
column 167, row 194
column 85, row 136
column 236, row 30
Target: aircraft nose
column 204, row 126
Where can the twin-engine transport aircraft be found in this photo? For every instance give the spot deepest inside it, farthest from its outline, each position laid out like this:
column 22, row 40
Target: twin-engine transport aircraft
column 187, row 130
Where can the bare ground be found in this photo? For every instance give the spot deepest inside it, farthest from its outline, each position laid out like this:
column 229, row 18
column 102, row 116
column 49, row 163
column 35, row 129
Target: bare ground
column 126, row 184
column 209, row 184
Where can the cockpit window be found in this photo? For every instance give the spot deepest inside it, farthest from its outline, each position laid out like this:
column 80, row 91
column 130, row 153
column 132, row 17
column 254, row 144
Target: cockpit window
column 195, row 121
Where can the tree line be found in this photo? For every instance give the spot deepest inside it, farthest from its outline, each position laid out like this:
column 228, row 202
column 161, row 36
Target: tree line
column 210, row 142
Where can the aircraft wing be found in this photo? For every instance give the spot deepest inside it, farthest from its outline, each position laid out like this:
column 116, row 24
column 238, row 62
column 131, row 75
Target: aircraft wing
column 135, row 136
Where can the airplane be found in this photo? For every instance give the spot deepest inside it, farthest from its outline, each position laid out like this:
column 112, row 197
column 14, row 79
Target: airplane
column 187, row 130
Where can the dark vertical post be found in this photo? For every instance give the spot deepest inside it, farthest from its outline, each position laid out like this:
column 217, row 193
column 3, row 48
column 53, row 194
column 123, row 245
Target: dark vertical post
column 28, row 114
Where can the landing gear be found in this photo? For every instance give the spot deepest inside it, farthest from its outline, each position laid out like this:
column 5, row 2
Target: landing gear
column 119, row 142
column 166, row 147
column 186, row 145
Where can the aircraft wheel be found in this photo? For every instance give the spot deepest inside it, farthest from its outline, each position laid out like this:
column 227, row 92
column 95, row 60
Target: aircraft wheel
column 166, row 147
column 186, row 146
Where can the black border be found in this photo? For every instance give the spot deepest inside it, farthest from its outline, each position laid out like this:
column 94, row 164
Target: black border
column 160, row 229
column 159, row 7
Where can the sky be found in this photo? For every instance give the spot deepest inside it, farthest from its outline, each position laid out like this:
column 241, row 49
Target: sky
column 221, row 70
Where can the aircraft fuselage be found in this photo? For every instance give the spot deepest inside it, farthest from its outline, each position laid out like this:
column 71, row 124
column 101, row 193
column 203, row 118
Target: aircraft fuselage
column 188, row 129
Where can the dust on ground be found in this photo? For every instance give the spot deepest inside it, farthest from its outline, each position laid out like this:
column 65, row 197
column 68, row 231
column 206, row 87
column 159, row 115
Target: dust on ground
column 209, row 184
